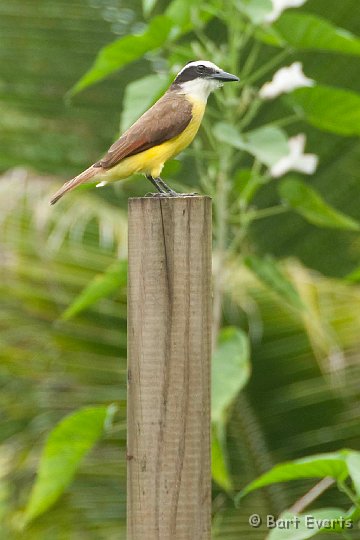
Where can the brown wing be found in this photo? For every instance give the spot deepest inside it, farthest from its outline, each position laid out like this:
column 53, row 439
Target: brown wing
column 163, row 121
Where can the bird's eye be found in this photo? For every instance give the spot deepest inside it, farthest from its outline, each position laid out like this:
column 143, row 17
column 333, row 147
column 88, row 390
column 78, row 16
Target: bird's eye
column 201, row 68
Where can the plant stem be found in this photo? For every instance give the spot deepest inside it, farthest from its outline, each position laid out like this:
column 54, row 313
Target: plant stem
column 309, row 497
column 255, row 182
column 221, row 233
column 345, row 489
column 250, row 114
column 207, row 128
column 268, row 212
column 267, row 67
column 251, row 59
column 286, row 121
column 226, row 158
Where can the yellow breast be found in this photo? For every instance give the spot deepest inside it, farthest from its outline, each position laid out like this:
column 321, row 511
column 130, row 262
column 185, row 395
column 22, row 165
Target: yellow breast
column 151, row 161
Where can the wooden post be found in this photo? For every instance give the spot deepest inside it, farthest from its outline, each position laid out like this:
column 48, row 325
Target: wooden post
column 169, row 341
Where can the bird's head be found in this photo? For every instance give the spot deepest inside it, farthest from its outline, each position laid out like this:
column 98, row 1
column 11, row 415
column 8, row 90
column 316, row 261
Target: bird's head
column 200, row 78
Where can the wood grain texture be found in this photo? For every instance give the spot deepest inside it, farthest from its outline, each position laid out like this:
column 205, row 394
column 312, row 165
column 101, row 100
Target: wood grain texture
column 169, row 347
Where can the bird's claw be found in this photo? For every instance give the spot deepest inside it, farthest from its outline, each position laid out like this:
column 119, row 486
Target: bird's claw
column 157, row 194
column 171, row 194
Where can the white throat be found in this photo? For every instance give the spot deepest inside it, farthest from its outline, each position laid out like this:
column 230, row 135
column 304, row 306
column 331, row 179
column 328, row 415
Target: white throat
column 199, row 88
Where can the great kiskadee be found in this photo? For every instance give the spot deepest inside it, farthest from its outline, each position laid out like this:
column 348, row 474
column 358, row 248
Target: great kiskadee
column 163, row 131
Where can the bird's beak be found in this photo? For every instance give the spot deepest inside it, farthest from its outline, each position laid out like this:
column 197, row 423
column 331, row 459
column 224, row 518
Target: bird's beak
column 224, row 76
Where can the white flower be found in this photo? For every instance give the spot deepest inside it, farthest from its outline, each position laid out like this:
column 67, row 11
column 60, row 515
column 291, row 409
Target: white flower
column 285, row 80
column 279, row 6
column 296, row 160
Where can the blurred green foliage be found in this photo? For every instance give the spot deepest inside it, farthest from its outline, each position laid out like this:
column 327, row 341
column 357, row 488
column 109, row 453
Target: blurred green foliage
column 302, row 397
column 67, row 444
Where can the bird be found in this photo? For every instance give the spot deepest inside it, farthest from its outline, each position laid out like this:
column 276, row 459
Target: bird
column 161, row 133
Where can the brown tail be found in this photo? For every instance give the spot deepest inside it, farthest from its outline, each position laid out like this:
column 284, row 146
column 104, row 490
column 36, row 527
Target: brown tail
column 71, row 184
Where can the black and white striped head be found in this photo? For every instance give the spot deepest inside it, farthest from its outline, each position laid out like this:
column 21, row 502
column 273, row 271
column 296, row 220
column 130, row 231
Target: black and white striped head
column 200, row 78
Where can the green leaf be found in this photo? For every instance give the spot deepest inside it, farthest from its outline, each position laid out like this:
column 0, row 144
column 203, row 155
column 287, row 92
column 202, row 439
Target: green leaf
column 306, row 526
column 318, row 466
column 270, row 36
column 139, row 96
column 230, row 370
column 307, row 31
column 245, row 184
column 354, row 276
column 186, row 13
column 219, row 464
column 148, row 6
column 241, row 180
column 309, row 204
column 230, row 373
column 125, row 50
column 353, row 464
column 353, row 514
column 268, row 144
column 255, row 10
column 268, row 272
column 331, row 109
column 113, row 279
column 66, row 446
column 179, row 11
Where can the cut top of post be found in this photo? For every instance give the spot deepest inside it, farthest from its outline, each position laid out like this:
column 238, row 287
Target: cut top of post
column 169, row 347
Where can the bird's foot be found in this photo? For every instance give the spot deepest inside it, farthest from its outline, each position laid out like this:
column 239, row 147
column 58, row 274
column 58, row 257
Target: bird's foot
column 171, row 194
column 163, row 188
column 157, row 195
